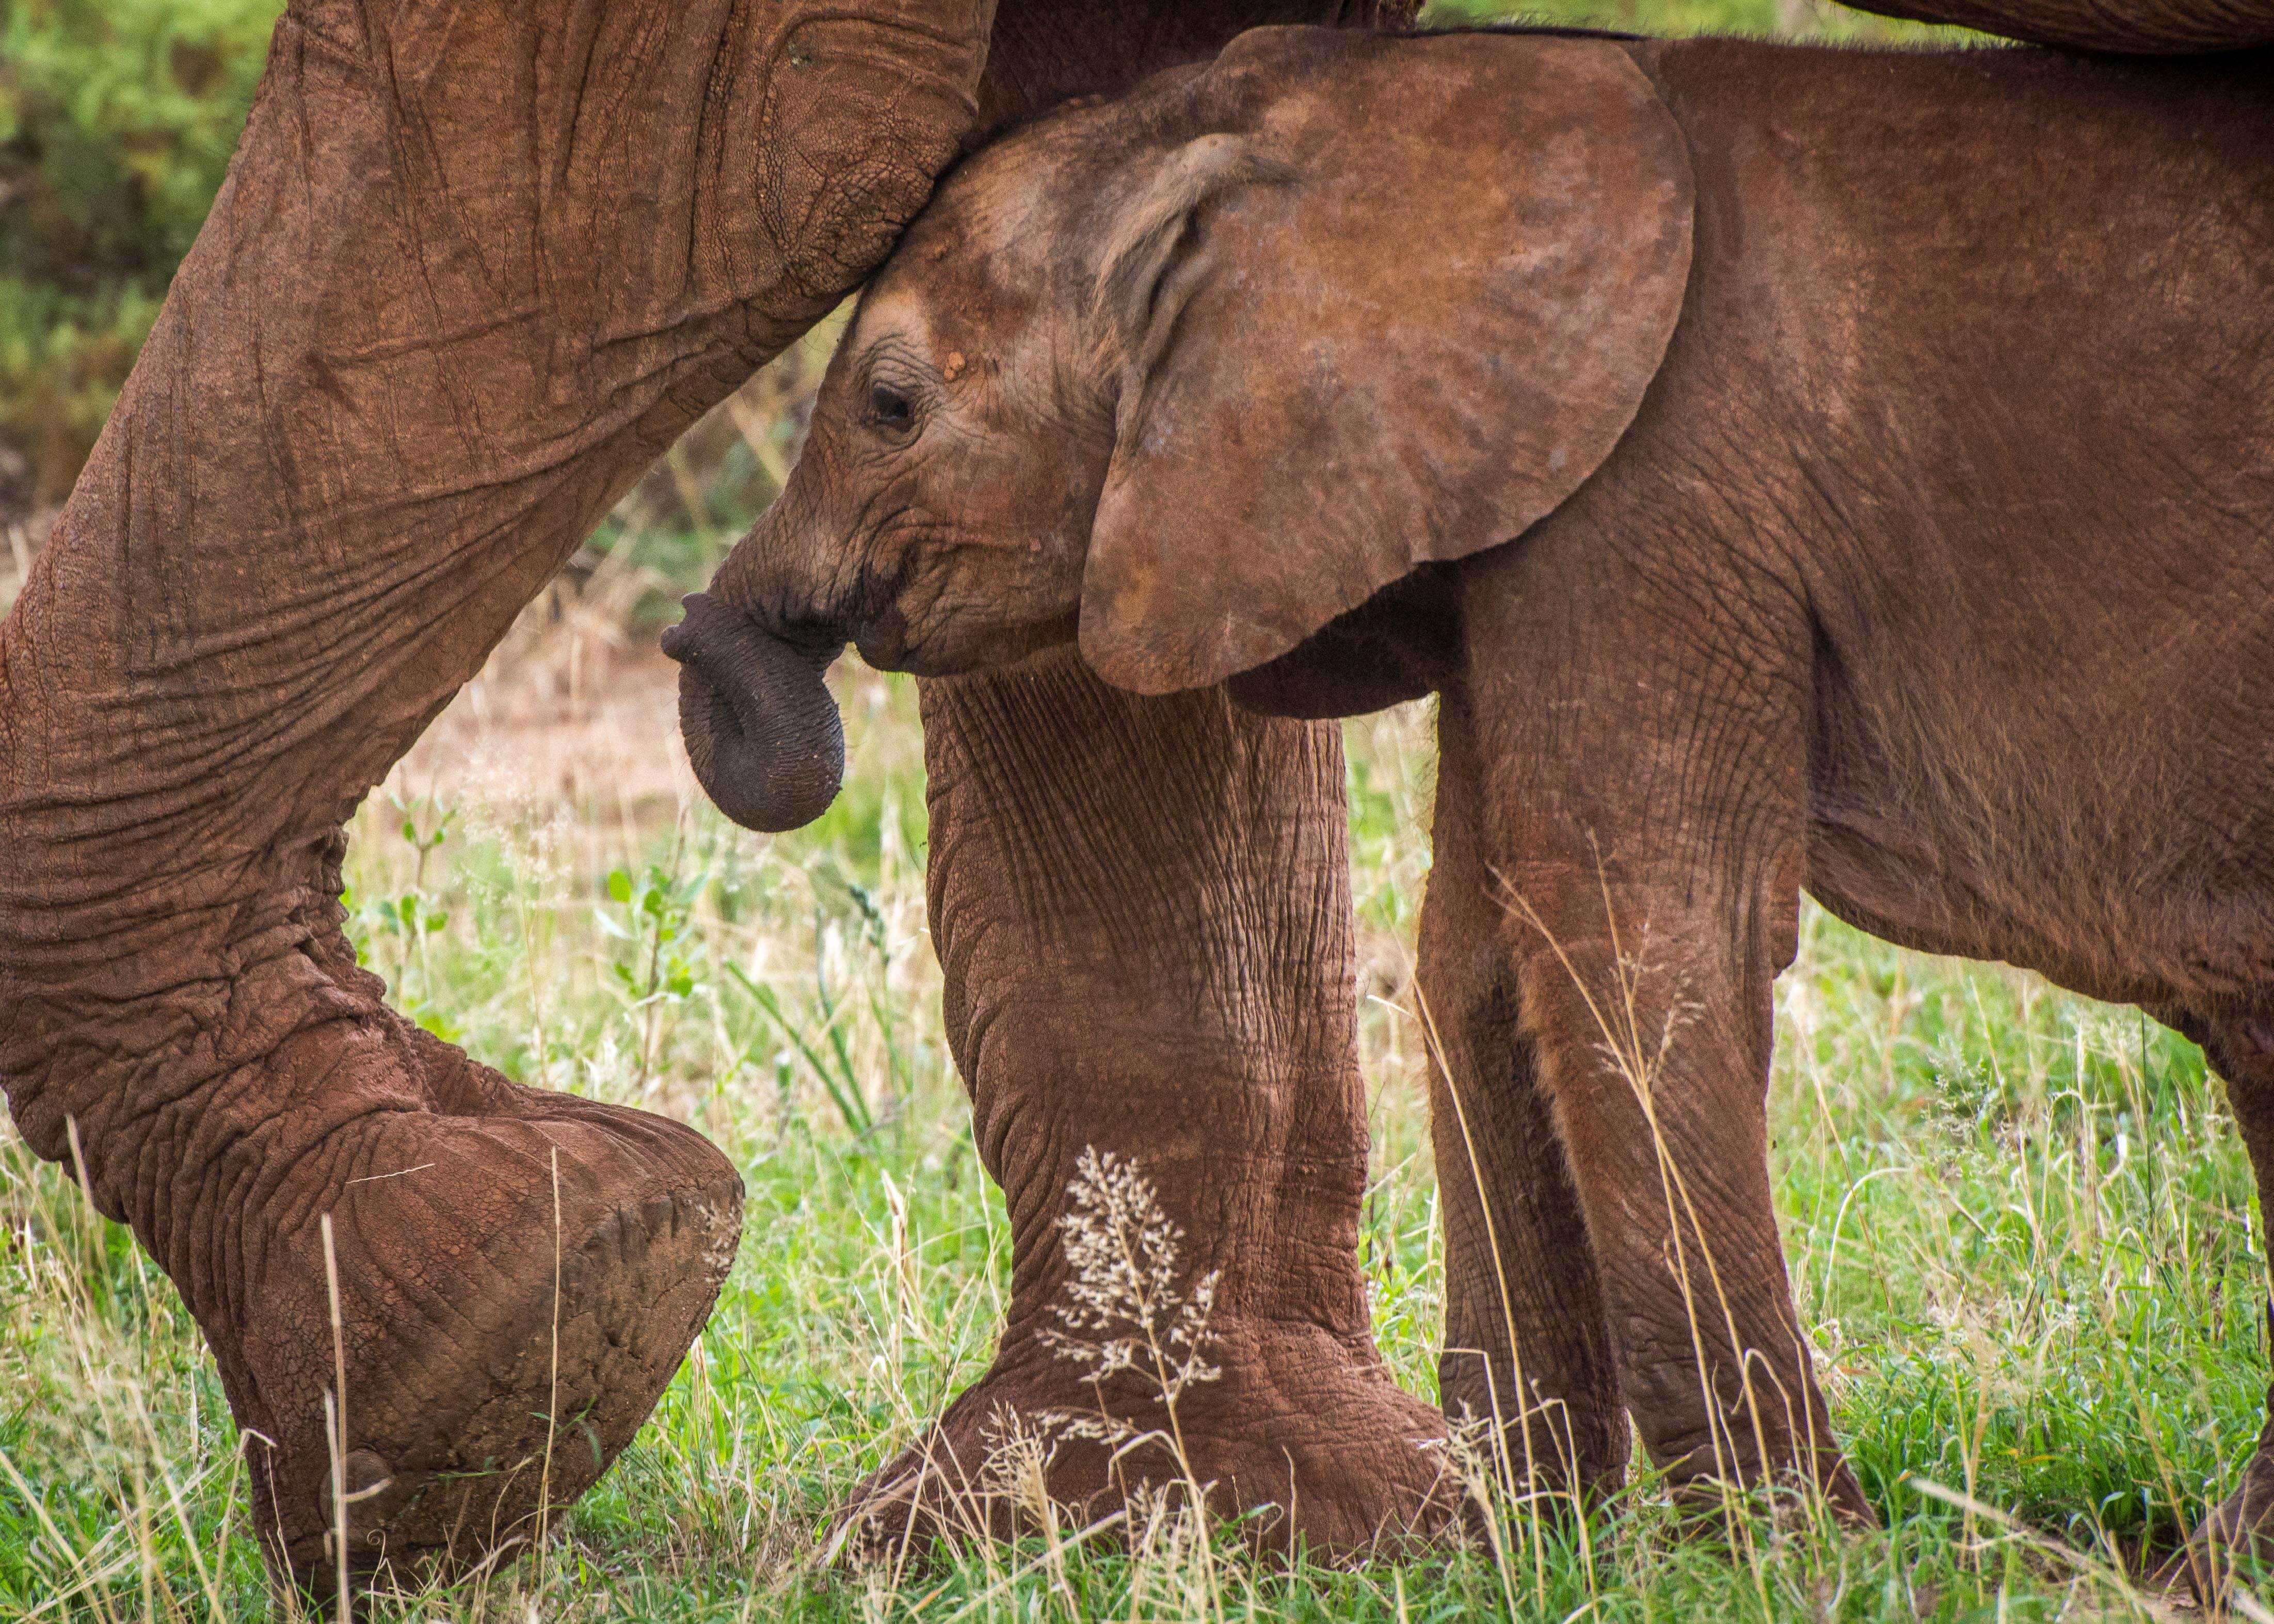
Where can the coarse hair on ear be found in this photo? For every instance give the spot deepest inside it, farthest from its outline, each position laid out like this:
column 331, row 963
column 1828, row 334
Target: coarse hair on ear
column 1148, row 229
column 1430, row 326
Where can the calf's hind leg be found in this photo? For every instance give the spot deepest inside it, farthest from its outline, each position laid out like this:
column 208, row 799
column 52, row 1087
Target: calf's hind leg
column 2239, row 1046
column 1525, row 1344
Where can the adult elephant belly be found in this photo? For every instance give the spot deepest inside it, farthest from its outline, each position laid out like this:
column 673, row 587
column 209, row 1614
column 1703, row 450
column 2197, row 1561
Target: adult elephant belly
column 474, row 268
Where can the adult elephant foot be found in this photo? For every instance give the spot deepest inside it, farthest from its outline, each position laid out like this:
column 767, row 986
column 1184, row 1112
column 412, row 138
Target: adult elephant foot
column 1301, row 1436
column 514, row 1291
column 500, row 1280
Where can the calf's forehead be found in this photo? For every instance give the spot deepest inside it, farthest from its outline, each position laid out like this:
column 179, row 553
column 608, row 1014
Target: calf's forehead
column 1008, row 205
column 1017, row 227
column 900, row 310
column 979, row 261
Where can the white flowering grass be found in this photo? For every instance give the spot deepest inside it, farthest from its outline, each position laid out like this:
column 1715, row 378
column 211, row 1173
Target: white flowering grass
column 1127, row 1309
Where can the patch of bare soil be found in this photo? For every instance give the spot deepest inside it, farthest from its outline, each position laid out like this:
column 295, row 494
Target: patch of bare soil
column 576, row 717
column 602, row 738
column 571, row 711
column 23, row 530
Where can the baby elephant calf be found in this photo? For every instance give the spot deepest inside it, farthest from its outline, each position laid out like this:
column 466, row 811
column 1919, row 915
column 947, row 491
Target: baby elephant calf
column 1793, row 468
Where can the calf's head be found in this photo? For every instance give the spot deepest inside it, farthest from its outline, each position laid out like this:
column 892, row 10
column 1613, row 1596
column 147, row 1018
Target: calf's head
column 1187, row 375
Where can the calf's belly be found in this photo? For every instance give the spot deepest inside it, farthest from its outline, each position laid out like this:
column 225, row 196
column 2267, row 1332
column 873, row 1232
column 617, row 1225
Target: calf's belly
column 2162, row 926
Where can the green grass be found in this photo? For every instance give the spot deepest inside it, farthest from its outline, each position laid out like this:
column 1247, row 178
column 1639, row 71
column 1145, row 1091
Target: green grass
column 116, row 121
column 2021, row 1230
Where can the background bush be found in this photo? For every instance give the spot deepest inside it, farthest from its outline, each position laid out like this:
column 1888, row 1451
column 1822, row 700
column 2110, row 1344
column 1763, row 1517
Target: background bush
column 116, row 121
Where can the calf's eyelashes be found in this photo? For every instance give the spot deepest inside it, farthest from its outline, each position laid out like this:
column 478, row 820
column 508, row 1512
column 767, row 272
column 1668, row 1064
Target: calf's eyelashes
column 890, row 409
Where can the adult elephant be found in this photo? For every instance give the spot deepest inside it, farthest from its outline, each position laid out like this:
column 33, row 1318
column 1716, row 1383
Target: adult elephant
column 476, row 265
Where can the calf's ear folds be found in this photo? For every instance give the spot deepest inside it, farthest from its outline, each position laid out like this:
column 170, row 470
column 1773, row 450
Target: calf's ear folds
column 1396, row 309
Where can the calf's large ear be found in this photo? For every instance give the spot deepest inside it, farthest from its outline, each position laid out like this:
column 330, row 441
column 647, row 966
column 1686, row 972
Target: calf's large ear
column 1397, row 303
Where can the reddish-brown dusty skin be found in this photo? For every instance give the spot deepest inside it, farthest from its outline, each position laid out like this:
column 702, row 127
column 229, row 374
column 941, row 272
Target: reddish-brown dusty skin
column 1791, row 468
column 475, row 266
column 1243, row 1106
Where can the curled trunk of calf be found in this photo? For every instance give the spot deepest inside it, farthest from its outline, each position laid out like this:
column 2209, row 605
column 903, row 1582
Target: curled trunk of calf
column 761, row 729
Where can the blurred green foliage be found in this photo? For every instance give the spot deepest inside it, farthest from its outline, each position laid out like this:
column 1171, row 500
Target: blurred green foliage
column 1807, row 20
column 116, row 121
column 1639, row 16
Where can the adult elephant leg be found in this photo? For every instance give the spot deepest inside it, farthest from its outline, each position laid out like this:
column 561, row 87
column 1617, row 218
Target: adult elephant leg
column 1526, row 1349
column 1142, row 907
column 477, row 263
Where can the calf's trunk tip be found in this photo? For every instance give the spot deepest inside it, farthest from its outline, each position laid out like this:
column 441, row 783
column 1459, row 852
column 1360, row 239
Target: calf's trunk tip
column 761, row 729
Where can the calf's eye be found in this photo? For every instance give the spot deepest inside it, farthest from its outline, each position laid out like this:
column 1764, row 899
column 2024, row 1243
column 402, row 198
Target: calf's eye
column 889, row 409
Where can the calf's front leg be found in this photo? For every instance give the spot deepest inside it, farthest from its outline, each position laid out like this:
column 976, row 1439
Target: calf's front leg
column 1526, row 1346
column 1629, row 781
